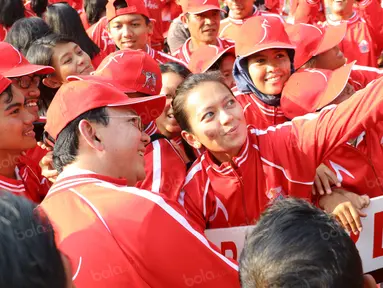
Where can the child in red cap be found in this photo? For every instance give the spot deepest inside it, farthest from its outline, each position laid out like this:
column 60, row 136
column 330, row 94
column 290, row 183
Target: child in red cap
column 18, row 174
column 265, row 58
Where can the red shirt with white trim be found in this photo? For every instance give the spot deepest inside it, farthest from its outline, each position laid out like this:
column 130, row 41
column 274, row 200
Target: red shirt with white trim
column 229, row 27
column 154, row 8
column 184, row 52
column 258, row 113
column 364, row 37
column 307, row 11
column 29, row 183
column 119, row 236
column 361, row 76
column 99, row 34
column 358, row 166
column 274, row 163
column 162, row 57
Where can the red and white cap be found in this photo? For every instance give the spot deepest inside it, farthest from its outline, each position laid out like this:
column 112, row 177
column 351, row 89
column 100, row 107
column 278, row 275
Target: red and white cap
column 14, row 64
column 133, row 7
column 4, row 83
column 312, row 41
column 128, row 70
column 199, row 6
column 310, row 90
column 205, row 57
column 261, row 33
column 69, row 103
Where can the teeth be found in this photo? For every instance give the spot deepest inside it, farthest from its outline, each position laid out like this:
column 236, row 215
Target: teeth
column 273, row 78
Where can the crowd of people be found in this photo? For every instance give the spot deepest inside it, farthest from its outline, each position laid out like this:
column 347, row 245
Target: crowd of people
column 130, row 127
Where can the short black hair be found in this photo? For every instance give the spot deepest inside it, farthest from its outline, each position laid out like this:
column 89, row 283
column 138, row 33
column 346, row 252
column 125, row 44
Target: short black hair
column 66, row 146
column 64, row 20
column 295, row 244
column 119, row 4
column 29, row 255
column 175, row 67
column 94, row 9
column 11, row 11
column 8, row 93
column 39, row 6
column 25, row 31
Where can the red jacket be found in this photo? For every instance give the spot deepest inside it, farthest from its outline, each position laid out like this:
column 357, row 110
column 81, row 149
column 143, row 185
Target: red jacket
column 230, row 28
column 118, row 236
column 364, row 36
column 99, row 34
column 274, row 163
column 359, row 167
column 184, row 52
column 307, row 11
column 30, row 183
column 361, row 76
column 258, row 113
column 154, row 8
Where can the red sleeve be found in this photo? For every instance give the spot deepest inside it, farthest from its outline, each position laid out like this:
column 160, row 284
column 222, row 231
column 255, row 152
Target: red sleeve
column 165, row 169
column 361, row 76
column 192, row 194
column 306, row 141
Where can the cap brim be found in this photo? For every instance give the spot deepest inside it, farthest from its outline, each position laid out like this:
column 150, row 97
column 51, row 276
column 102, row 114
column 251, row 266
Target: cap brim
column 22, row 70
column 332, row 37
column 335, row 85
column 101, row 79
column 202, row 9
column 230, row 49
column 149, row 108
column 262, row 47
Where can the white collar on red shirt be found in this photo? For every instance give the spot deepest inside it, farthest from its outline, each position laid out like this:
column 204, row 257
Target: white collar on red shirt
column 241, row 21
column 187, row 53
column 150, row 51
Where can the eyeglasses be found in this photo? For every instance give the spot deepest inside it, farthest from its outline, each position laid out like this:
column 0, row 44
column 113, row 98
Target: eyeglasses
column 26, row 81
column 135, row 120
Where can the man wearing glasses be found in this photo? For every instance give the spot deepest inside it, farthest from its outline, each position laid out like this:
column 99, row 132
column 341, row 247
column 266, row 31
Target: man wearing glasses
column 117, row 235
column 25, row 76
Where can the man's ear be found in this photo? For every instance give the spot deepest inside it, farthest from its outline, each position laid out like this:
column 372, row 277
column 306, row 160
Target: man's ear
column 89, row 134
column 191, row 139
column 51, row 82
column 184, row 20
column 369, row 281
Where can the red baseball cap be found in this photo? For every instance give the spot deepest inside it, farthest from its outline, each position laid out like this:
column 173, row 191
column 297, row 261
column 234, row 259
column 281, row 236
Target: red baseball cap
column 199, row 6
column 204, row 57
column 261, row 33
column 14, row 64
column 130, row 71
column 4, row 83
column 133, row 7
column 311, row 40
column 69, row 103
column 310, row 90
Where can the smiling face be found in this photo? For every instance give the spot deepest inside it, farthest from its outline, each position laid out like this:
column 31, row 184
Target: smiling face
column 130, row 31
column 166, row 122
column 341, row 7
column 217, row 122
column 226, row 69
column 240, row 9
column 70, row 59
column 204, row 26
column 123, row 143
column 269, row 70
column 16, row 128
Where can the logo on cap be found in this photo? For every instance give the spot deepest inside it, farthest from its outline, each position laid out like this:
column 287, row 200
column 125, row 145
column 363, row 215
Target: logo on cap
column 275, row 193
column 364, row 47
column 150, row 80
